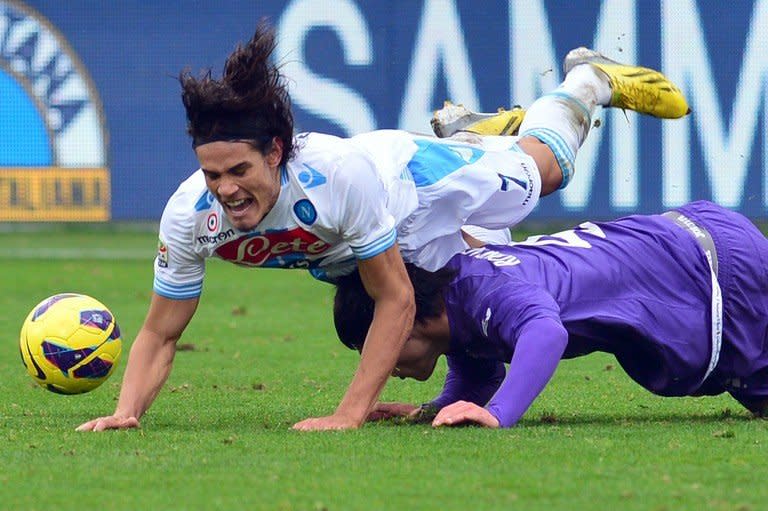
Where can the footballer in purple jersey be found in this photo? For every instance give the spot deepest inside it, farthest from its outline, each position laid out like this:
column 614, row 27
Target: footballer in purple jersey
column 680, row 299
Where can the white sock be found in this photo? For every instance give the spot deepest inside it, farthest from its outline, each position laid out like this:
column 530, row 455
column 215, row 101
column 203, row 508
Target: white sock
column 587, row 84
column 562, row 118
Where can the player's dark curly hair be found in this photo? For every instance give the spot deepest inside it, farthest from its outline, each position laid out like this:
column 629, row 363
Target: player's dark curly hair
column 250, row 102
column 353, row 308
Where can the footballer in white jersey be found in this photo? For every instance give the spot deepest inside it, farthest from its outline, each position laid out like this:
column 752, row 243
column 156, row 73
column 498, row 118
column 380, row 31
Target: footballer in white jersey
column 264, row 197
column 342, row 200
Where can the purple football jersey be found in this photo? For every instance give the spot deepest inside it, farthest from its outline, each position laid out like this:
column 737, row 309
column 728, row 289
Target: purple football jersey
column 639, row 287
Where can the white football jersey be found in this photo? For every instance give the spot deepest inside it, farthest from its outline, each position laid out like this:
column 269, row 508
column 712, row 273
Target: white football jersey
column 344, row 199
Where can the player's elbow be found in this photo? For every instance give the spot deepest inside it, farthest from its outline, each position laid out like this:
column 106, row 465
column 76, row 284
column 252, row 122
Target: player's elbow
column 557, row 341
column 550, row 336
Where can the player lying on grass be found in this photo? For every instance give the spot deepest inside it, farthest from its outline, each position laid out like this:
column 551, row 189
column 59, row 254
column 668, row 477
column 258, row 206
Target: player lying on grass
column 681, row 300
column 264, row 197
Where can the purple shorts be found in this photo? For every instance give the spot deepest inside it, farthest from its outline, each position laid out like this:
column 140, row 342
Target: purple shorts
column 742, row 253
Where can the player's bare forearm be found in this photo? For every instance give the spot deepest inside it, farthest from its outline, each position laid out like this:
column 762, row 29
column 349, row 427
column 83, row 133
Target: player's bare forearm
column 386, row 281
column 149, row 362
column 149, row 365
column 392, row 322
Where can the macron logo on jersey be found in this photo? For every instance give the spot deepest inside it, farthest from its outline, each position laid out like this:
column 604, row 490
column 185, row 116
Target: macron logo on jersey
column 311, row 177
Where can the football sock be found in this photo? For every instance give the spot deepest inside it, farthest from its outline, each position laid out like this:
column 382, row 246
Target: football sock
column 562, row 118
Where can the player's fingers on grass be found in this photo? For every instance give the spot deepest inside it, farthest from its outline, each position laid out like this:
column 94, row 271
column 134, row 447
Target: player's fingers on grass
column 87, row 426
column 450, row 414
column 463, row 419
column 104, row 423
column 481, row 417
column 311, row 424
column 307, row 424
column 463, row 413
column 451, row 420
column 331, row 422
column 91, row 425
column 471, row 412
column 300, row 426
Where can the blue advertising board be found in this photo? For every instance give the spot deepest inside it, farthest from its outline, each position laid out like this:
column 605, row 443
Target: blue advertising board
column 92, row 126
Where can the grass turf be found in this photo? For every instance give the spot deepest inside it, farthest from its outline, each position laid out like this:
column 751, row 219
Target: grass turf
column 261, row 354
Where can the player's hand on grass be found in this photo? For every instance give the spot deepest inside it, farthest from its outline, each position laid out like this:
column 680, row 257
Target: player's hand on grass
column 329, row 422
column 462, row 413
column 383, row 411
column 109, row 422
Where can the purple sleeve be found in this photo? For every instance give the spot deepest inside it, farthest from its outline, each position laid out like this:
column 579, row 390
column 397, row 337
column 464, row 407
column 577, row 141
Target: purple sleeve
column 540, row 345
column 469, row 379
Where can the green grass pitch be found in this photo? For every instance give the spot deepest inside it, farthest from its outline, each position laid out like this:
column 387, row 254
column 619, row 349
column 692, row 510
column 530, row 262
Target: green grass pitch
column 261, row 354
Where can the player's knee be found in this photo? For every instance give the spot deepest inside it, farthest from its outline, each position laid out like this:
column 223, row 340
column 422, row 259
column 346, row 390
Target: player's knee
column 546, row 162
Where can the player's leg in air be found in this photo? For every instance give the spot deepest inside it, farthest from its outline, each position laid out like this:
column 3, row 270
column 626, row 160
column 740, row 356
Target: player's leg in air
column 556, row 125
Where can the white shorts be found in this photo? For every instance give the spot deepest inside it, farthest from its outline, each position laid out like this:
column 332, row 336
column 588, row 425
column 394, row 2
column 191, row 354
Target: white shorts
column 491, row 184
column 489, row 236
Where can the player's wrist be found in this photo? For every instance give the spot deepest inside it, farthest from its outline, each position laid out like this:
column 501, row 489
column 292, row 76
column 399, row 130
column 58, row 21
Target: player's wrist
column 351, row 415
column 124, row 413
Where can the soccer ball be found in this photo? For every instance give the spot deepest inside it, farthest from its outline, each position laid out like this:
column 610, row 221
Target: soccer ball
column 70, row 343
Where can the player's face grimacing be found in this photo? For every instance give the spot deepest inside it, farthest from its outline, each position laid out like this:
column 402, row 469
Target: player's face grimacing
column 245, row 181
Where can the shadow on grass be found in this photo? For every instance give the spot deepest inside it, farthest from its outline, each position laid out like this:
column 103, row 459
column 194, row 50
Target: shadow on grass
column 625, row 420
column 248, row 421
column 631, row 419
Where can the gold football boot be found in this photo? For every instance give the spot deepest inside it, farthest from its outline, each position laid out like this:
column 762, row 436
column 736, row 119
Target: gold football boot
column 452, row 119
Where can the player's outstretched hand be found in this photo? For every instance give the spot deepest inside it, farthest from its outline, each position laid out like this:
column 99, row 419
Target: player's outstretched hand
column 109, row 422
column 463, row 412
column 329, row 422
column 384, row 411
